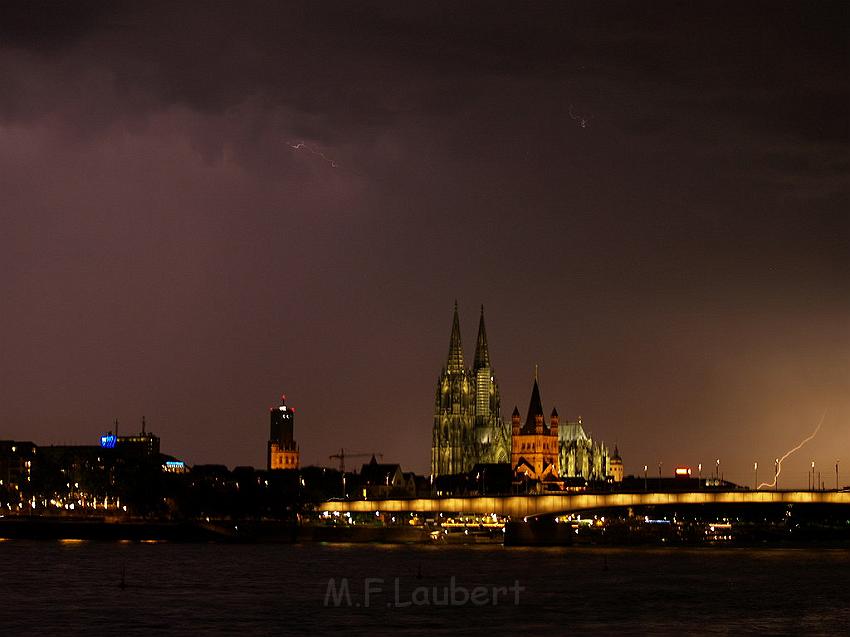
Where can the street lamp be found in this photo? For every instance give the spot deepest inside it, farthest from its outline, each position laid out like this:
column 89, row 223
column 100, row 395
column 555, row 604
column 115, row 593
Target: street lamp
column 659, row 473
column 756, row 471
column 717, row 469
column 812, row 487
column 699, row 468
column 645, row 487
column 836, row 474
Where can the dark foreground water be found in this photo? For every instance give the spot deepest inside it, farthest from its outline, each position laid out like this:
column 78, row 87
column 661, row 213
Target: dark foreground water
column 197, row 589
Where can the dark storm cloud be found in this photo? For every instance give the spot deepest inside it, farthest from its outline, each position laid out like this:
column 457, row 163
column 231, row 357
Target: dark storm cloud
column 45, row 25
column 343, row 72
column 160, row 233
column 213, row 57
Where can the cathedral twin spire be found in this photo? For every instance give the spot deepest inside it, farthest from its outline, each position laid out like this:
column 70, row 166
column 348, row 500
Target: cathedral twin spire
column 468, row 427
column 455, row 364
column 482, row 354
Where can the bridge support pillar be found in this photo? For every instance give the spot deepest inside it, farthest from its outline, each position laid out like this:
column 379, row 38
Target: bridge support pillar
column 542, row 531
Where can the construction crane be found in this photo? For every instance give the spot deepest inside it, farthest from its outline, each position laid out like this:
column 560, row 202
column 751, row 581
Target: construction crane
column 342, row 455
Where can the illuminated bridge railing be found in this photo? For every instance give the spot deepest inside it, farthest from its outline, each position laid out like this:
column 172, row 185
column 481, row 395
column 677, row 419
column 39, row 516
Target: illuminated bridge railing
column 517, row 506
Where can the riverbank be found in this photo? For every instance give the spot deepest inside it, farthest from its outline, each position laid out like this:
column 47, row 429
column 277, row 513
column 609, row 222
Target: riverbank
column 545, row 532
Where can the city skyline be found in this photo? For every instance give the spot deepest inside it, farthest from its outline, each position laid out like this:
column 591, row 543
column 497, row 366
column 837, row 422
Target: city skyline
column 654, row 215
column 790, row 471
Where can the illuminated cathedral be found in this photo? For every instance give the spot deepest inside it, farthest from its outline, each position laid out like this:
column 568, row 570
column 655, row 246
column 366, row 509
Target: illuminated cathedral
column 468, row 426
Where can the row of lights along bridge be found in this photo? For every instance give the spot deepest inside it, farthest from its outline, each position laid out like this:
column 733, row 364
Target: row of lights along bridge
column 814, row 479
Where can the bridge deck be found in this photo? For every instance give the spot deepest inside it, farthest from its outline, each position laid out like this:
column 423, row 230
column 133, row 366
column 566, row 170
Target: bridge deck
column 517, row 506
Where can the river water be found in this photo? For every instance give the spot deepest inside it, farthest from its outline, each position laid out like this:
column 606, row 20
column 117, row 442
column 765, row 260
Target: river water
column 68, row 588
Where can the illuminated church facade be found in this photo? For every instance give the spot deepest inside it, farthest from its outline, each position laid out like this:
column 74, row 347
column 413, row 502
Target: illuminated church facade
column 580, row 456
column 468, row 426
column 547, row 451
column 534, row 445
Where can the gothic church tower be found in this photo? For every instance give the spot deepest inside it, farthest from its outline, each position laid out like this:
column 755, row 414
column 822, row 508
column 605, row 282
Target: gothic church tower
column 467, row 421
column 491, row 434
column 535, row 446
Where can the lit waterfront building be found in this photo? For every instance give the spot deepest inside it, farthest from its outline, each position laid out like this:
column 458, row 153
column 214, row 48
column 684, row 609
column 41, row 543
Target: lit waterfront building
column 144, row 443
column 16, row 463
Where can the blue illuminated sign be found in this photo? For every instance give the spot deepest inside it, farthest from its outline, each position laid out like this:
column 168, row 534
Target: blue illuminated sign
column 108, row 441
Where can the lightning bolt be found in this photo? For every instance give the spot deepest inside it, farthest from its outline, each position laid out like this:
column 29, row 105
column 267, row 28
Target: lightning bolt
column 797, row 448
column 318, row 153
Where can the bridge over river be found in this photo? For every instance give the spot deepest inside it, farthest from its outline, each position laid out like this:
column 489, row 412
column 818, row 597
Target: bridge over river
column 530, row 506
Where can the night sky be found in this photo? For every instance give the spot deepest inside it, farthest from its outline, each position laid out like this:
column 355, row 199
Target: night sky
column 204, row 207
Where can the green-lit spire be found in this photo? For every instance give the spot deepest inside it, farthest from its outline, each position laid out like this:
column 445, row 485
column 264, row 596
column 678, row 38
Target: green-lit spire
column 482, row 354
column 455, row 362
